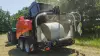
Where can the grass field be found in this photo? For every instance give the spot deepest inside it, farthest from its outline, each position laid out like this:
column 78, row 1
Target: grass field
column 83, row 41
column 88, row 41
column 73, row 50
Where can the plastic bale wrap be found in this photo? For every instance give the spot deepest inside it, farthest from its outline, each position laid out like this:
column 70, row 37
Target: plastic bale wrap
column 53, row 31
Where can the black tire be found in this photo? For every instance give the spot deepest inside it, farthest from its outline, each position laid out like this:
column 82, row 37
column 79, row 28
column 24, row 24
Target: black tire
column 9, row 36
column 21, row 44
column 13, row 38
column 29, row 46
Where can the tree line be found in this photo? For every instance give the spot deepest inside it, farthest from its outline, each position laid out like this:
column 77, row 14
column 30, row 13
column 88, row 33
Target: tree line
column 4, row 18
column 89, row 10
column 8, row 21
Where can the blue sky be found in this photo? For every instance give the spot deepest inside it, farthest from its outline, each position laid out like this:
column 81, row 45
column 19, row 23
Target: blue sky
column 14, row 5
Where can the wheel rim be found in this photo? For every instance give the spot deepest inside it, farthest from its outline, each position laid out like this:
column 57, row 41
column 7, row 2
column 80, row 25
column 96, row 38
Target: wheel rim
column 26, row 47
column 21, row 45
column 32, row 47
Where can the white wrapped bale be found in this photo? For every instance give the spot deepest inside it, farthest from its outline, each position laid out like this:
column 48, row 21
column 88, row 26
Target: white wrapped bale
column 53, row 30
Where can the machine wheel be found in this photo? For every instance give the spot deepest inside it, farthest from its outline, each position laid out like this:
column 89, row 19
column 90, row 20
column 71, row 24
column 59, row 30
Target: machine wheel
column 9, row 36
column 12, row 37
column 29, row 47
column 21, row 44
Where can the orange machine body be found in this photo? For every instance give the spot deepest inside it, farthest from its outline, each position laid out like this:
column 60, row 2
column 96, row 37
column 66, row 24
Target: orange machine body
column 22, row 26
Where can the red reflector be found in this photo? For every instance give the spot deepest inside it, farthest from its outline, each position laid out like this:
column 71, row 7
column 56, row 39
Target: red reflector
column 31, row 49
column 47, row 49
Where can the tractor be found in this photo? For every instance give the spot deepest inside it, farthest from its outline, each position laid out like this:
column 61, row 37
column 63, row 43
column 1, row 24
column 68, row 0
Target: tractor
column 44, row 29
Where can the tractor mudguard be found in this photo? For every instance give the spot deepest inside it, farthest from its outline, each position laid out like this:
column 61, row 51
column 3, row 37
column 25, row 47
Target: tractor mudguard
column 22, row 26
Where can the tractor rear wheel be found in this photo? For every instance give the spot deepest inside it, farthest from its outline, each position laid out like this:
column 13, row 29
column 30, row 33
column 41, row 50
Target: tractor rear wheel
column 9, row 36
column 12, row 37
column 21, row 44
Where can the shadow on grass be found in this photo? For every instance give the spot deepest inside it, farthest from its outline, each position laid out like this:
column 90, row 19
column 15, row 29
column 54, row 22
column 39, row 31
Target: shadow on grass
column 9, row 44
column 17, row 52
column 57, row 52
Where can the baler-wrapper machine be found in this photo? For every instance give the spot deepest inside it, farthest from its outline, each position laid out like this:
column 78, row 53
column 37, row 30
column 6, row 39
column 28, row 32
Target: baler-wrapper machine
column 45, row 28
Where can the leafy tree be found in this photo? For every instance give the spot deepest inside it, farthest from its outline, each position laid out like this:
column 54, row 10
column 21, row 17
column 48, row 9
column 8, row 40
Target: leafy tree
column 14, row 17
column 89, row 10
column 4, row 21
column 23, row 12
column 7, row 21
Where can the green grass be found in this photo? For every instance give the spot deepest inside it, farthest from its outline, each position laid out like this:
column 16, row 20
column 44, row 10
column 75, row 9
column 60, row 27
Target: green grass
column 88, row 41
column 2, row 33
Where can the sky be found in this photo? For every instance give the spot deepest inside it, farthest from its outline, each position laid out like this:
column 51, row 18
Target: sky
column 14, row 5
